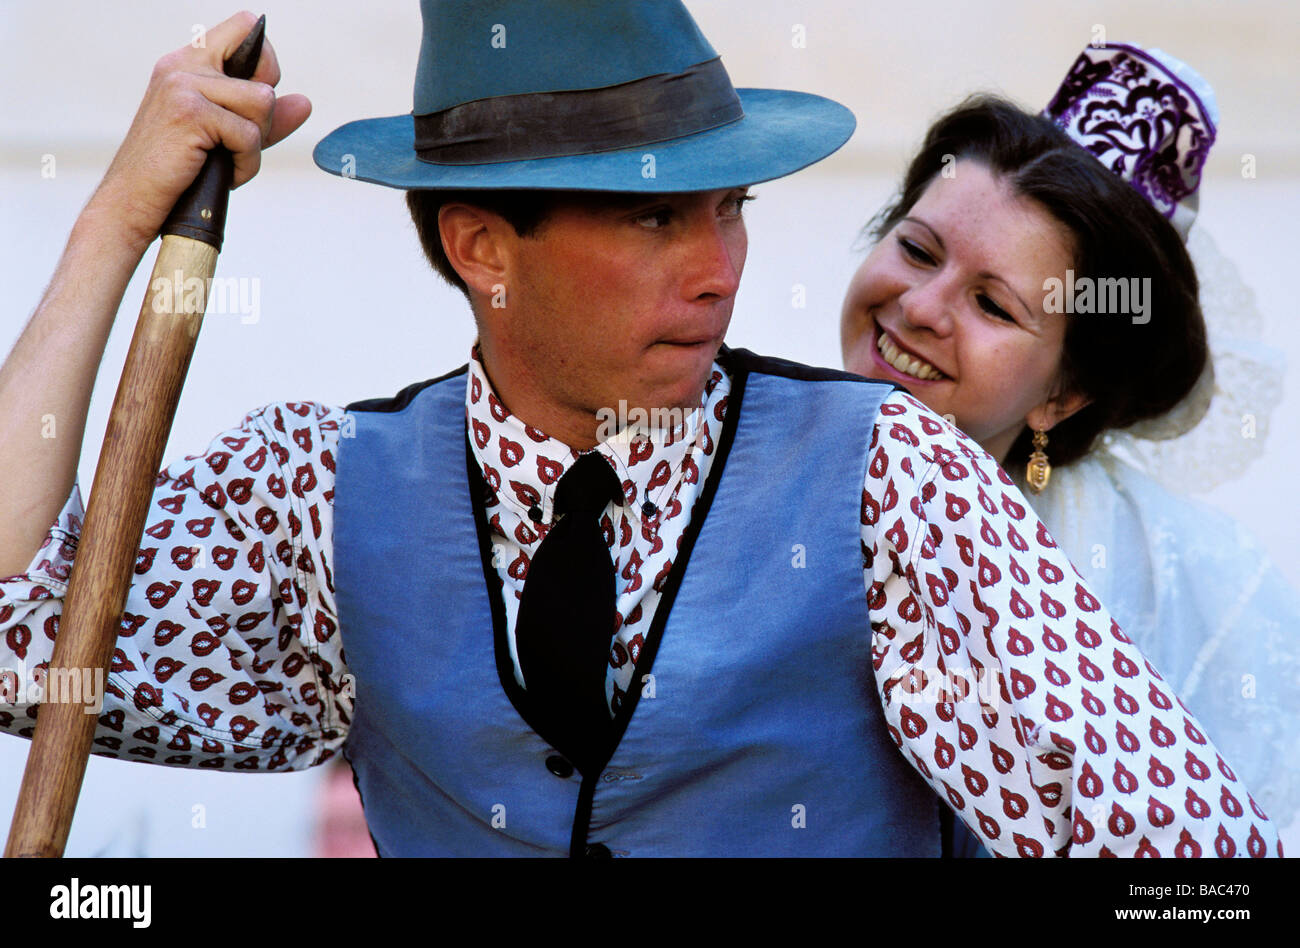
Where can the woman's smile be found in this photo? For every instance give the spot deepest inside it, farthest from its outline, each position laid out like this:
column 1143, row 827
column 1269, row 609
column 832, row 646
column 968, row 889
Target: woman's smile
column 904, row 362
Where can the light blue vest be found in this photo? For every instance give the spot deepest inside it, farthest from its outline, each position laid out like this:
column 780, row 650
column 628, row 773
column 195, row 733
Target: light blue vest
column 764, row 734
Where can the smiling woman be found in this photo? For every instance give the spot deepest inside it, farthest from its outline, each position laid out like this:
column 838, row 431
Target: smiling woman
column 1001, row 215
column 946, row 304
column 996, row 204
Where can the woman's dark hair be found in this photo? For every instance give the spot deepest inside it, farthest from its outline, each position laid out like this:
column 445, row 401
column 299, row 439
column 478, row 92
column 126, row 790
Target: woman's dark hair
column 1130, row 371
column 523, row 210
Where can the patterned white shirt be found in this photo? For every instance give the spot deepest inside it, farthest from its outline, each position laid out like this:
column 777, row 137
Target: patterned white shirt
column 1004, row 682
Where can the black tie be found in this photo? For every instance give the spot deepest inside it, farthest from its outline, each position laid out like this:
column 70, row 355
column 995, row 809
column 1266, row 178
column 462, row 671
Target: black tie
column 566, row 615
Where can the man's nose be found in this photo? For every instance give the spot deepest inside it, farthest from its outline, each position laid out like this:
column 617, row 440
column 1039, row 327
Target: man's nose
column 714, row 258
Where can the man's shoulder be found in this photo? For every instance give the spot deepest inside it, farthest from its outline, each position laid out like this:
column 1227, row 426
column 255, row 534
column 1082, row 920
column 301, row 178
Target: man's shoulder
column 403, row 399
column 744, row 361
column 287, row 427
column 898, row 427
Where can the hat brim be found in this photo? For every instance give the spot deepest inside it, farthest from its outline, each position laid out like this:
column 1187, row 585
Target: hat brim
column 781, row 133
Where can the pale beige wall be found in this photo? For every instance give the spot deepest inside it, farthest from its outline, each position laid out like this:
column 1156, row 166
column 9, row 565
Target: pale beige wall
column 74, row 68
column 897, row 64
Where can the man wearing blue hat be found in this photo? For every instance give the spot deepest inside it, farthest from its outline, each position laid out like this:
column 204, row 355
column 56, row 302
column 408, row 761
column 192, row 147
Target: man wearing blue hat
column 610, row 588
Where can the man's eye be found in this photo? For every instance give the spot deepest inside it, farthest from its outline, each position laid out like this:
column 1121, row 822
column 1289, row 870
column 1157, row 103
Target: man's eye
column 735, row 207
column 659, row 217
column 993, row 309
column 915, row 252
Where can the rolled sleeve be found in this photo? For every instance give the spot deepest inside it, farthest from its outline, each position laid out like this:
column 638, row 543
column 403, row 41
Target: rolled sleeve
column 228, row 655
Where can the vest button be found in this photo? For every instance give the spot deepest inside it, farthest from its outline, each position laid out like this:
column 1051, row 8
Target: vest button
column 599, row 851
column 559, row 766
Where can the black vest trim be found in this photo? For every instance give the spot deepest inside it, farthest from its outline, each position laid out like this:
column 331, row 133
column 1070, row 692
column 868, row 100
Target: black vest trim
column 395, row 403
column 357, row 784
column 478, row 490
column 667, row 596
column 746, row 361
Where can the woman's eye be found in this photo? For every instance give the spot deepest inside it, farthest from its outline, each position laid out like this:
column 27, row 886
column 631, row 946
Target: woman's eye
column 915, row 252
column 993, row 309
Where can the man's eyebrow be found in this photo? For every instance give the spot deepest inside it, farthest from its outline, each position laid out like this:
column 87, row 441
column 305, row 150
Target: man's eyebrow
column 985, row 274
column 613, row 204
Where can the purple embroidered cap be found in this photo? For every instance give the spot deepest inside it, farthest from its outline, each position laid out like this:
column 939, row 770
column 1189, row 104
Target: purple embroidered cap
column 1146, row 116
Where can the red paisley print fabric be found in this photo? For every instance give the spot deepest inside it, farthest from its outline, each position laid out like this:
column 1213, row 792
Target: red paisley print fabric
column 1004, row 682
column 229, row 655
column 1008, row 685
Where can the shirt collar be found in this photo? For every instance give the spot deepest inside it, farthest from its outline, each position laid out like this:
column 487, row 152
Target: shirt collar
column 522, row 464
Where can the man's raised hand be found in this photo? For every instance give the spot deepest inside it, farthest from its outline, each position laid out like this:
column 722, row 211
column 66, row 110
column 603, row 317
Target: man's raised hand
column 189, row 107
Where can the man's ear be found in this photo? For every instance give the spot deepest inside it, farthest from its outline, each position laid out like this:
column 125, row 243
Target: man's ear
column 475, row 243
column 1047, row 415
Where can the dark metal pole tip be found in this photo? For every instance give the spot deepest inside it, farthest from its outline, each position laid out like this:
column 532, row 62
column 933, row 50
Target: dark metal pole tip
column 243, row 61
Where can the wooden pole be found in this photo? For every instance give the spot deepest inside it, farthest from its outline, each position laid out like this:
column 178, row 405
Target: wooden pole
column 138, row 427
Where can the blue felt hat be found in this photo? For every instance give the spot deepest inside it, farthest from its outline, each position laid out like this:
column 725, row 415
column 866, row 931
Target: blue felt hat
column 592, row 95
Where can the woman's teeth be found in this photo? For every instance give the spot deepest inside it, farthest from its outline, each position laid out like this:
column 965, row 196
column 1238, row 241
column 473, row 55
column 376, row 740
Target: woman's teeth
column 908, row 365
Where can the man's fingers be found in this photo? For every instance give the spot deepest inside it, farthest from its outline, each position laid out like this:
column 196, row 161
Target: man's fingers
column 238, row 115
column 252, row 98
column 222, row 40
column 289, row 114
column 254, row 101
column 190, row 106
column 247, row 164
column 216, row 45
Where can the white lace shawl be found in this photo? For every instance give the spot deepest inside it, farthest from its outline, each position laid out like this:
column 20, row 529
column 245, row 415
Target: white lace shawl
column 1189, row 585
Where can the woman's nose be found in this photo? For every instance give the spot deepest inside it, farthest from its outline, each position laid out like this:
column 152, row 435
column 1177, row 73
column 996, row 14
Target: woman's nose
column 928, row 304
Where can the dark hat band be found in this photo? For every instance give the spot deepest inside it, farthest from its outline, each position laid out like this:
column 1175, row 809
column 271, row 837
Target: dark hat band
column 580, row 122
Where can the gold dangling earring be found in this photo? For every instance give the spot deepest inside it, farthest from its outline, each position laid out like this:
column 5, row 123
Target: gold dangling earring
column 1038, row 472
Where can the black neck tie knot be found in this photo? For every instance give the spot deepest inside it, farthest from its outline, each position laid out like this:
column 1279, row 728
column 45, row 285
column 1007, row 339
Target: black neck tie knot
column 588, row 486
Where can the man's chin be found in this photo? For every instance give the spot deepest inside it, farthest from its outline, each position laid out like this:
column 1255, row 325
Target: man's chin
column 683, row 385
column 663, row 404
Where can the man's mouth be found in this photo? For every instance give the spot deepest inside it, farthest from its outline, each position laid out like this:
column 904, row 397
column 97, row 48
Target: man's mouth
column 688, row 342
column 904, row 362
